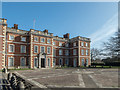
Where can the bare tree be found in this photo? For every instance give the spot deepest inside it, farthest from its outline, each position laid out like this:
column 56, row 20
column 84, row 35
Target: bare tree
column 112, row 46
column 95, row 54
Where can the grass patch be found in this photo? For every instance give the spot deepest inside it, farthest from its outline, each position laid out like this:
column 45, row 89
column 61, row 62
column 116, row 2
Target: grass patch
column 20, row 69
column 98, row 66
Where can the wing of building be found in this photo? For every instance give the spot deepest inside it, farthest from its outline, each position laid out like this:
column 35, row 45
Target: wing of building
column 40, row 49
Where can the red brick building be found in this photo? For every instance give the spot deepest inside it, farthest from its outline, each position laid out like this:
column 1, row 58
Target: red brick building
column 40, row 49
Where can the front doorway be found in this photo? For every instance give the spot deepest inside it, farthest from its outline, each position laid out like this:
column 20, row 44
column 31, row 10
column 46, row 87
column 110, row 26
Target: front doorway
column 42, row 62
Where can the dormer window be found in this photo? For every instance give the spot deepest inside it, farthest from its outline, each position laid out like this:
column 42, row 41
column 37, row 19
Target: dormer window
column 11, row 37
column 23, row 39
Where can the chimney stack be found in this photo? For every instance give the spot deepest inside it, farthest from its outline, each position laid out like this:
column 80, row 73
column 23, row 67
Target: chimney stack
column 15, row 26
column 45, row 31
column 66, row 35
column 3, row 21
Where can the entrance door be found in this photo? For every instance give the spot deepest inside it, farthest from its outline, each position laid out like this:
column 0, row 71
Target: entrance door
column 75, row 63
column 42, row 63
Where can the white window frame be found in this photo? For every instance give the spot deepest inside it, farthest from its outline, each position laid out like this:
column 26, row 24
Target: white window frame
column 34, row 61
column 10, row 37
column 21, row 49
column 49, row 63
column 48, row 49
column 35, row 39
column 60, row 52
column 34, row 49
column 87, row 61
column 74, row 52
column 74, row 44
column 82, row 51
column 86, row 52
column 86, row 44
column 54, row 43
column 41, row 40
column 61, row 61
column 75, row 62
column 82, row 44
column 41, row 49
column 60, row 43
column 66, row 52
column 8, row 61
column 67, row 61
column 53, row 62
column 67, row 45
column 13, row 48
column 21, row 59
column 48, row 41
column 23, row 39
column 54, row 52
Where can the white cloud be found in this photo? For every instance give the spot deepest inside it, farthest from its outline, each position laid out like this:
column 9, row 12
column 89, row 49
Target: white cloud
column 106, row 31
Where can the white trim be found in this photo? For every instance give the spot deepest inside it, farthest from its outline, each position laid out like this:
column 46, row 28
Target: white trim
column 10, row 38
column 61, row 52
column 2, row 36
column 44, row 49
column 21, row 48
column 23, row 40
column 60, row 43
column 24, row 59
column 18, row 42
column 66, row 59
column 86, row 52
column 67, row 52
column 82, row 44
column 13, row 48
column 49, row 62
column 74, row 51
column 35, row 39
column 74, row 44
column 82, row 52
column 74, row 62
column 48, row 39
column 61, row 61
column 34, row 48
column 37, row 61
column 54, row 59
column 41, row 39
column 8, row 61
column 47, row 50
column 18, row 54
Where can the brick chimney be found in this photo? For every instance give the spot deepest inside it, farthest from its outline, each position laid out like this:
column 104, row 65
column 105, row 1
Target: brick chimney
column 66, row 35
column 45, row 31
column 15, row 26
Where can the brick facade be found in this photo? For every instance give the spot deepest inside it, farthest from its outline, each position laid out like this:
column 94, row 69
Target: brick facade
column 40, row 49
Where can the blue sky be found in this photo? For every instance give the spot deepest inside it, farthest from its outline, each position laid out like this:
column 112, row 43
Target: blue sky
column 96, row 20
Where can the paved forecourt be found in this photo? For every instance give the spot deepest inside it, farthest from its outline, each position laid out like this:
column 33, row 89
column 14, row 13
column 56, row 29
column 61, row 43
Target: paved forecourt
column 72, row 77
